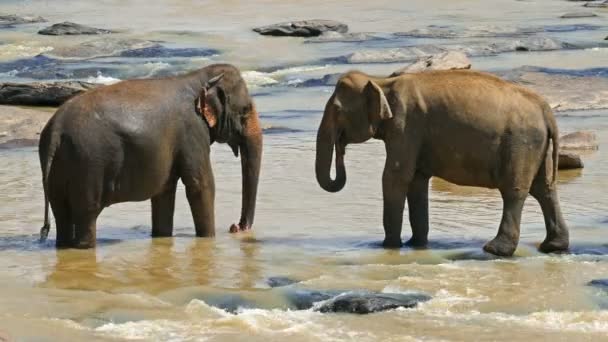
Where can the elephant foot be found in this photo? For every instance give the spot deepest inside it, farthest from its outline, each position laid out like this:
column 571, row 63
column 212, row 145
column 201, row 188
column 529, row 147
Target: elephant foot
column 554, row 245
column 239, row 228
column 86, row 244
column 500, row 247
column 392, row 243
column 416, row 242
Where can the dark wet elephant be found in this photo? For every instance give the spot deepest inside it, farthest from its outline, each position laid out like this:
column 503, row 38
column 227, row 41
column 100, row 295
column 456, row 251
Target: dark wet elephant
column 466, row 127
column 134, row 140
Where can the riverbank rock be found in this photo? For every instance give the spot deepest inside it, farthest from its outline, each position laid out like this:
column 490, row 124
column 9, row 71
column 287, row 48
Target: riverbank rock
column 448, row 60
column 596, row 4
column 21, row 127
column 368, row 302
column 580, row 140
column 303, row 28
column 574, row 15
column 12, row 19
column 41, row 94
column 569, row 161
column 69, row 28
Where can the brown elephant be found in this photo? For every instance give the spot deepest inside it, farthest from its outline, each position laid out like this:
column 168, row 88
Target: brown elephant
column 466, row 127
column 134, row 140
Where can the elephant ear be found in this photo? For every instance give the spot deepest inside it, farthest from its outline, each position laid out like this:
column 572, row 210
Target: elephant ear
column 378, row 106
column 203, row 104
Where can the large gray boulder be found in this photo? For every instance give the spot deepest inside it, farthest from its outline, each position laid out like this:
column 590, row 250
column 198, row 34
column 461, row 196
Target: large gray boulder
column 449, row 60
column 303, row 28
column 369, row 302
column 41, row 94
column 69, row 28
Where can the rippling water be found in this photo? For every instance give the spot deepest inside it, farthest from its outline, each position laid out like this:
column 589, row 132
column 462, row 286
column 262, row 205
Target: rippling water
column 133, row 287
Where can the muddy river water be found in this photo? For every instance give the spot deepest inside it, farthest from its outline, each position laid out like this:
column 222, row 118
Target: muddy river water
column 135, row 287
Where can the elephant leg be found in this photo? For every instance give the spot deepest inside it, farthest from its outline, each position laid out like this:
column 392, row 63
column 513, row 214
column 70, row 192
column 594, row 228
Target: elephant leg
column 86, row 229
column 163, row 206
column 557, row 232
column 418, row 206
column 505, row 242
column 201, row 197
column 394, row 189
column 63, row 223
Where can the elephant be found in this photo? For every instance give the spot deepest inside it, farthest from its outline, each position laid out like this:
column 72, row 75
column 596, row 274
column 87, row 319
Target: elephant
column 133, row 141
column 466, row 127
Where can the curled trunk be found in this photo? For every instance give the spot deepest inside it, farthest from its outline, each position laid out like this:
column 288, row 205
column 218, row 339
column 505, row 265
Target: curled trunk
column 326, row 143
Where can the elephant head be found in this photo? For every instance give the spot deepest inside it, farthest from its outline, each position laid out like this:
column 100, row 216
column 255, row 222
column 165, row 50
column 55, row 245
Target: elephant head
column 226, row 106
column 352, row 115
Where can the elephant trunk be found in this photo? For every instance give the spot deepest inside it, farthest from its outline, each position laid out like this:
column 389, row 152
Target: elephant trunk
column 251, row 159
column 326, row 142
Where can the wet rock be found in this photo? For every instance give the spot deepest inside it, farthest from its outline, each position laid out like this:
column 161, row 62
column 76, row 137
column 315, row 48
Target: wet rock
column 599, row 283
column 580, row 140
column 302, row 299
column 573, row 15
column 41, row 94
column 279, row 130
column 69, row 28
column 280, row 281
column 229, row 302
column 569, row 161
column 326, row 80
column 159, row 51
column 107, row 47
column 303, row 28
column 12, row 19
column 448, row 60
column 367, row 302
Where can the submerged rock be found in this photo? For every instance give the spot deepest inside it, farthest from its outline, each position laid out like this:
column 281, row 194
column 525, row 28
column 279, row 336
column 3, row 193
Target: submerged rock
column 229, row 302
column 599, row 283
column 41, row 94
column 337, row 37
column 569, row 161
column 326, row 80
column 448, row 60
column 159, row 51
column 303, row 28
column 106, row 47
column 69, row 28
column 17, row 143
column 280, row 281
column 302, row 299
column 596, row 4
column 367, row 302
column 580, row 140
column 12, row 19
column 20, row 127
column 572, row 15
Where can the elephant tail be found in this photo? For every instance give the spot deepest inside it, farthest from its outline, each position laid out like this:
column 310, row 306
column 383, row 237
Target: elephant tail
column 47, row 147
column 553, row 135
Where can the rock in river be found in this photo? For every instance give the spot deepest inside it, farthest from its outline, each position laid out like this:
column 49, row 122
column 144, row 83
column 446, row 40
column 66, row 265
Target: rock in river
column 20, row 127
column 569, row 161
column 69, row 28
column 303, row 28
column 368, row 302
column 280, row 281
column 599, row 283
column 448, row 60
column 41, row 94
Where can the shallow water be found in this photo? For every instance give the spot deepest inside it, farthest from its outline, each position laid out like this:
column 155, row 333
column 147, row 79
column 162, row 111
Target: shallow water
column 133, row 287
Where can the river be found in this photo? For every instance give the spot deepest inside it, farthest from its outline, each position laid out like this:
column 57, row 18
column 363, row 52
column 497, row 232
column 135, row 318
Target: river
column 135, row 287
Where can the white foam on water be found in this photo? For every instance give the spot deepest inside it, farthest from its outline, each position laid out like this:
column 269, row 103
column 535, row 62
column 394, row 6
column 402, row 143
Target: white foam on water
column 12, row 51
column 257, row 78
column 154, row 330
column 101, row 79
column 298, row 69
